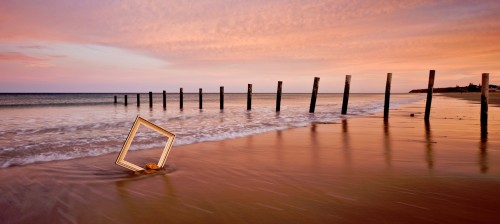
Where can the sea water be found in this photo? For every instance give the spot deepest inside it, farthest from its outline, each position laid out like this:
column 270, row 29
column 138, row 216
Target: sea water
column 46, row 127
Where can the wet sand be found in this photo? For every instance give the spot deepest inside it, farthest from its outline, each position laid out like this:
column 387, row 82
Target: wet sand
column 493, row 99
column 357, row 170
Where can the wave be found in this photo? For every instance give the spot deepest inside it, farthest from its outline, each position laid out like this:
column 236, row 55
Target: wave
column 96, row 134
column 55, row 104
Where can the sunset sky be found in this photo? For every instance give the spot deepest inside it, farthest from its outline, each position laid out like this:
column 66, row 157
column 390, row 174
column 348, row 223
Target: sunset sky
column 146, row 45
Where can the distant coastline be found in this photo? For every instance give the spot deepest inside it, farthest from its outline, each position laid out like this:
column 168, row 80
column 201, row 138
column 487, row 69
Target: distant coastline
column 458, row 89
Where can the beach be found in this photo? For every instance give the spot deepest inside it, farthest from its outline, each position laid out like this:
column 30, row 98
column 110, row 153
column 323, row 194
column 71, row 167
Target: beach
column 352, row 170
column 494, row 99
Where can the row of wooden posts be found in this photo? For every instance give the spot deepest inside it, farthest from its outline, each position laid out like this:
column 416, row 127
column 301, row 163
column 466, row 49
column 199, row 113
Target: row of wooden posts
column 484, row 97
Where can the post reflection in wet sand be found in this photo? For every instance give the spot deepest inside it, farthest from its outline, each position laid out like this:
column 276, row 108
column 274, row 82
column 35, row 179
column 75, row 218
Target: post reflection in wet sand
column 483, row 156
column 429, row 154
column 346, row 142
column 483, row 153
column 279, row 145
column 314, row 144
column 387, row 144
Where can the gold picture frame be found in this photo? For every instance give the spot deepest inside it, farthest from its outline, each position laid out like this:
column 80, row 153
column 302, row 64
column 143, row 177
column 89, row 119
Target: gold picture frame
column 141, row 121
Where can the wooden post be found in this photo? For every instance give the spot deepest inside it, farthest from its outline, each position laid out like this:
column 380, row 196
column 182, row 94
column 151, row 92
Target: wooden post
column 181, row 98
column 164, row 99
column 249, row 97
column 150, row 99
column 347, row 87
column 430, row 88
column 278, row 96
column 221, row 97
column 387, row 95
column 138, row 99
column 116, row 100
column 314, row 95
column 484, row 101
column 126, row 100
column 200, row 96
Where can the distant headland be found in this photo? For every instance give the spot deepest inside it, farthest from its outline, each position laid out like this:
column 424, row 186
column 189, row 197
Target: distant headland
column 459, row 89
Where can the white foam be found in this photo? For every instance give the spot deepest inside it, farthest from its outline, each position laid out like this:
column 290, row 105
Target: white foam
column 98, row 131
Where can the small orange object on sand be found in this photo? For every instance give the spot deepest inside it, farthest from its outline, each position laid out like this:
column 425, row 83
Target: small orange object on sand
column 151, row 168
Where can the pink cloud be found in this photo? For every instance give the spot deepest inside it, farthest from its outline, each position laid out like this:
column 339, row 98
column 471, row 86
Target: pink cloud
column 33, row 47
column 57, row 56
column 17, row 56
column 26, row 60
column 224, row 38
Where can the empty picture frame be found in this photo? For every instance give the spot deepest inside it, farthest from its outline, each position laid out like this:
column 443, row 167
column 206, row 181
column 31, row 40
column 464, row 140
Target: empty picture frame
column 141, row 121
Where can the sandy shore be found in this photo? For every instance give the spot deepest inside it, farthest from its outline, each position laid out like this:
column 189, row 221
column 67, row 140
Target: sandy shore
column 494, row 97
column 358, row 170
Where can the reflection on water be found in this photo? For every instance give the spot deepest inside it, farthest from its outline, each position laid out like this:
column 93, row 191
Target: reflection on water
column 429, row 155
column 483, row 156
column 344, row 125
column 279, row 145
column 346, row 141
column 248, row 115
column 387, row 144
column 314, row 144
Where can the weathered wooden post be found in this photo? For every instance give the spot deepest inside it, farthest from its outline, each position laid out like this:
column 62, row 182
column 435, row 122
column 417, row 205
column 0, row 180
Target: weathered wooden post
column 150, row 99
column 221, row 97
column 164, row 99
column 249, row 97
column 181, row 98
column 387, row 95
column 138, row 99
column 278, row 96
column 430, row 88
column 314, row 95
column 200, row 96
column 347, row 87
column 116, row 100
column 484, row 103
column 126, row 100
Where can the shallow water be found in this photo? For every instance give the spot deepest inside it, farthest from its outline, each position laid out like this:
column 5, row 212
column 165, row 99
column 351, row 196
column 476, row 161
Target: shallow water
column 47, row 127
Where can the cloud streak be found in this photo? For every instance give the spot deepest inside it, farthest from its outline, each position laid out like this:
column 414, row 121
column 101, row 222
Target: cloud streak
column 26, row 60
column 17, row 56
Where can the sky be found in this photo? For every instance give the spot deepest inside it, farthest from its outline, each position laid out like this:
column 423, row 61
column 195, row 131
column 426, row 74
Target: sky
column 147, row 45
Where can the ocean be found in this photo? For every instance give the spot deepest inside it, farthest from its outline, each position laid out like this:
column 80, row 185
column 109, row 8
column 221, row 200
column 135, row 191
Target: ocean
column 60, row 126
